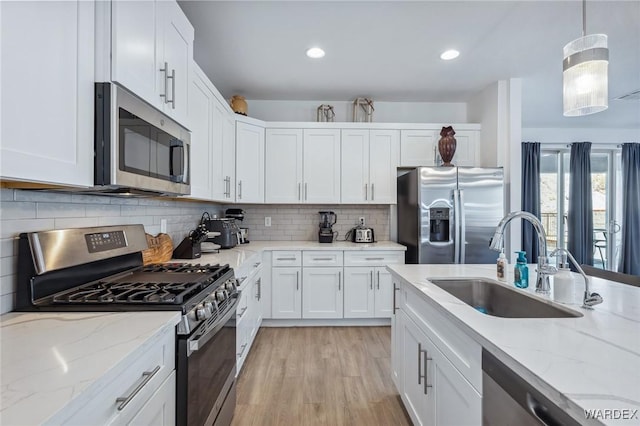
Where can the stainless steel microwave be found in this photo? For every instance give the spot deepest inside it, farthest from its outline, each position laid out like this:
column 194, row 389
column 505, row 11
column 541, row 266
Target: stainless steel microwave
column 138, row 149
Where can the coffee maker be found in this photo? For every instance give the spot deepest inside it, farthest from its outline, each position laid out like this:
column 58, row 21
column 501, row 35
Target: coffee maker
column 327, row 220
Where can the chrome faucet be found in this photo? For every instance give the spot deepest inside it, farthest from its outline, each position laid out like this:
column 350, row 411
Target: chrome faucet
column 544, row 269
column 589, row 299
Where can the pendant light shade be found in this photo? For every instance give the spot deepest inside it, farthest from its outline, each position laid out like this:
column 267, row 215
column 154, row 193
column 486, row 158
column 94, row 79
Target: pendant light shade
column 585, row 83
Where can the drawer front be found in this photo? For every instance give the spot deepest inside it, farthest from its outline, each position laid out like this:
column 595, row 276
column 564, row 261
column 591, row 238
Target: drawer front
column 373, row 258
column 151, row 368
column 460, row 349
column 322, row 258
column 286, row 258
column 248, row 268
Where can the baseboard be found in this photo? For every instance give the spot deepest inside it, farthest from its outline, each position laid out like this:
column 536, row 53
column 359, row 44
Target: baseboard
column 338, row 322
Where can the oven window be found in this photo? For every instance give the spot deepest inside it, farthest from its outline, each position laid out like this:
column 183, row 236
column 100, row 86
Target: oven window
column 209, row 369
column 149, row 151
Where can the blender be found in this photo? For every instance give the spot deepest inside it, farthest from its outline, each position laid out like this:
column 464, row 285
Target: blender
column 325, row 233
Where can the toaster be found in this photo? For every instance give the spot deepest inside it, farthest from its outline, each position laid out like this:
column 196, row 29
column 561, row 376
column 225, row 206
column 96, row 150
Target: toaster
column 363, row 235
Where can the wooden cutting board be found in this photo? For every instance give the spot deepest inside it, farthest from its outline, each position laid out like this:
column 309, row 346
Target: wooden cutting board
column 160, row 249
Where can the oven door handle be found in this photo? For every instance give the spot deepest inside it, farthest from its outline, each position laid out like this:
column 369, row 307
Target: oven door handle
column 194, row 344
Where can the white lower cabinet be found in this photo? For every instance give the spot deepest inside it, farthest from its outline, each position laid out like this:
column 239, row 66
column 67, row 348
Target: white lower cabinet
column 432, row 389
column 160, row 410
column 248, row 312
column 286, row 292
column 322, row 292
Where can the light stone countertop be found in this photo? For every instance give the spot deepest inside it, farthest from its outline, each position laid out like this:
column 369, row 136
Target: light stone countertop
column 591, row 362
column 55, row 361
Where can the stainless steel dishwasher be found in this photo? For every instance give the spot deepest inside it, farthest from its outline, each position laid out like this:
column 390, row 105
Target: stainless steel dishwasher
column 509, row 400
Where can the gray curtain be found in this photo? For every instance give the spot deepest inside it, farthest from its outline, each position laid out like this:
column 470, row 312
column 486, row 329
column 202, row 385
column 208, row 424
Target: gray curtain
column 580, row 217
column 530, row 196
column 630, row 235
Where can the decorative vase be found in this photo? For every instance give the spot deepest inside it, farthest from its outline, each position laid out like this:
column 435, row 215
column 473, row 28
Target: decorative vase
column 447, row 145
column 239, row 105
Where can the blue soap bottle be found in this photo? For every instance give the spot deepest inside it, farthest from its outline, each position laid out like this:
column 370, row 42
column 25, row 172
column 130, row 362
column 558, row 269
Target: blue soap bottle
column 521, row 271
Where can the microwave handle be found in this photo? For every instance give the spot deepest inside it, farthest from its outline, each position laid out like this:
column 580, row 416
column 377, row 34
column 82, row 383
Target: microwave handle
column 184, row 163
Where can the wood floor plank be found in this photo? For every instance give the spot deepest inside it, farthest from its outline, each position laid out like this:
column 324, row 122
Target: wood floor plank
column 319, row 376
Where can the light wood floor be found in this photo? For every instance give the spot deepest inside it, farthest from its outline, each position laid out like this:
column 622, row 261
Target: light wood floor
column 319, row 376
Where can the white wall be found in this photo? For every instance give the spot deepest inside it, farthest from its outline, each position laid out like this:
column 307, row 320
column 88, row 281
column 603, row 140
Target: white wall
column 580, row 134
column 385, row 112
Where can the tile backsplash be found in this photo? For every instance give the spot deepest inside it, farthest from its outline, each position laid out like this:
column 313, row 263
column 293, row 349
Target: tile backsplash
column 300, row 222
column 26, row 211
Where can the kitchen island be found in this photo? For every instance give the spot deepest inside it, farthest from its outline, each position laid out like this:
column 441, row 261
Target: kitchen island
column 590, row 362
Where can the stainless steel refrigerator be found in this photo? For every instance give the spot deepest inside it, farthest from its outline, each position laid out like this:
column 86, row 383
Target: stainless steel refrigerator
column 449, row 214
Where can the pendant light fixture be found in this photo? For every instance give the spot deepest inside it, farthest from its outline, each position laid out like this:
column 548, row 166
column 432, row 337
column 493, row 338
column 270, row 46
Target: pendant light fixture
column 584, row 73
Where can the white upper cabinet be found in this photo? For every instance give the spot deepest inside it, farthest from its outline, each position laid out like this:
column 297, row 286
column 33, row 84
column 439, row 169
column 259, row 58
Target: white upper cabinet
column 369, row 162
column 302, row 166
column 321, row 166
column 201, row 101
column 420, row 148
column 229, row 157
column 283, row 166
column 249, row 163
column 47, row 85
column 152, row 52
column 417, row 148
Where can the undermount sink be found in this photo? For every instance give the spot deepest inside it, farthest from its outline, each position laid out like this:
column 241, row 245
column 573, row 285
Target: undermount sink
column 492, row 298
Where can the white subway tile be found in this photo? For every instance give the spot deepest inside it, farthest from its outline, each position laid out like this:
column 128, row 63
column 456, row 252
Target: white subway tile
column 6, row 303
column 8, row 284
column 162, row 210
column 8, row 265
column 133, row 210
column 75, row 222
column 51, row 210
column 152, row 229
column 6, row 194
column 124, row 201
column 102, row 210
column 90, row 199
column 156, row 202
column 42, row 196
column 17, row 210
column 8, row 247
column 124, row 220
column 11, row 228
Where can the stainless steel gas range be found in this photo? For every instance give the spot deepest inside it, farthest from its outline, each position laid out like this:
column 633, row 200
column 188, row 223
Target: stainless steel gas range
column 101, row 269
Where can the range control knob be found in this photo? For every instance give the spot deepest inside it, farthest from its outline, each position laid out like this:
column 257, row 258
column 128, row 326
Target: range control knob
column 230, row 285
column 201, row 313
column 209, row 308
column 221, row 295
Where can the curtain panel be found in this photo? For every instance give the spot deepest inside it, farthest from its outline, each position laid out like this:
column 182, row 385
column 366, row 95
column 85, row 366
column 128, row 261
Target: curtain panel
column 580, row 215
column 630, row 235
column 530, row 196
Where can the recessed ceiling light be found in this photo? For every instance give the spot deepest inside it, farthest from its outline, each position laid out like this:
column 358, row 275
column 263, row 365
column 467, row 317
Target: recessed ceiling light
column 315, row 53
column 449, row 54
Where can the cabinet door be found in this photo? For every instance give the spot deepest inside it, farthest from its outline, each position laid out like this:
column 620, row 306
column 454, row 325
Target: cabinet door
column 133, row 48
column 396, row 344
column 417, row 148
column 286, row 293
column 321, row 166
column 466, row 144
column 219, row 182
column 160, row 409
column 359, row 292
column 229, row 156
column 383, row 163
column 322, row 292
column 47, row 84
column 201, row 117
column 414, row 364
column 249, row 163
column 175, row 38
column 455, row 401
column 354, row 182
column 384, row 293
column 283, row 166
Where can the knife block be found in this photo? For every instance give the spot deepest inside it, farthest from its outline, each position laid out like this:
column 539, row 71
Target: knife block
column 187, row 249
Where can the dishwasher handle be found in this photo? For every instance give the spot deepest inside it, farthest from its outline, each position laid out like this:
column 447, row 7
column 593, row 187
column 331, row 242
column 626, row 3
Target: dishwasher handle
column 540, row 411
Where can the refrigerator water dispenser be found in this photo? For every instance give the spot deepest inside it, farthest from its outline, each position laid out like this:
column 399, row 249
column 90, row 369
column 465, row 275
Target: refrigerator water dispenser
column 439, row 224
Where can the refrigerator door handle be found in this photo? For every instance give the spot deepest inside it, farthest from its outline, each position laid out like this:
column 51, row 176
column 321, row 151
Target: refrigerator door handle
column 462, row 227
column 456, row 227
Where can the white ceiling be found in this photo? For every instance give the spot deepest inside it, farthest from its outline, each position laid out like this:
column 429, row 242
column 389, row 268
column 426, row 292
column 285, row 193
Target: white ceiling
column 389, row 51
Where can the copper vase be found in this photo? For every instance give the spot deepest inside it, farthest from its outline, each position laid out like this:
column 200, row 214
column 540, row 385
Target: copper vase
column 447, row 145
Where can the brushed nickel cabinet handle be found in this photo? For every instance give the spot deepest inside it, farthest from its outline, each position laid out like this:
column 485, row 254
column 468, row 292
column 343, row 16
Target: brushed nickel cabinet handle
column 371, row 282
column 426, row 372
column 173, row 89
column 366, row 192
column 240, row 189
column 299, row 191
column 339, row 280
column 420, row 377
column 374, row 258
column 146, row 377
column 373, row 194
column 378, row 280
column 394, row 298
column 306, row 192
column 297, row 280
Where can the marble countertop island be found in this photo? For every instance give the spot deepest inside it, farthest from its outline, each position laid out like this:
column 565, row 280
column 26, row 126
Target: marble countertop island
column 55, row 361
column 586, row 363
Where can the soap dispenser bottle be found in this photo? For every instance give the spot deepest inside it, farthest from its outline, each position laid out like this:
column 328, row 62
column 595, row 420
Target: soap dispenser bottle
column 521, row 271
column 563, row 282
column 501, row 267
